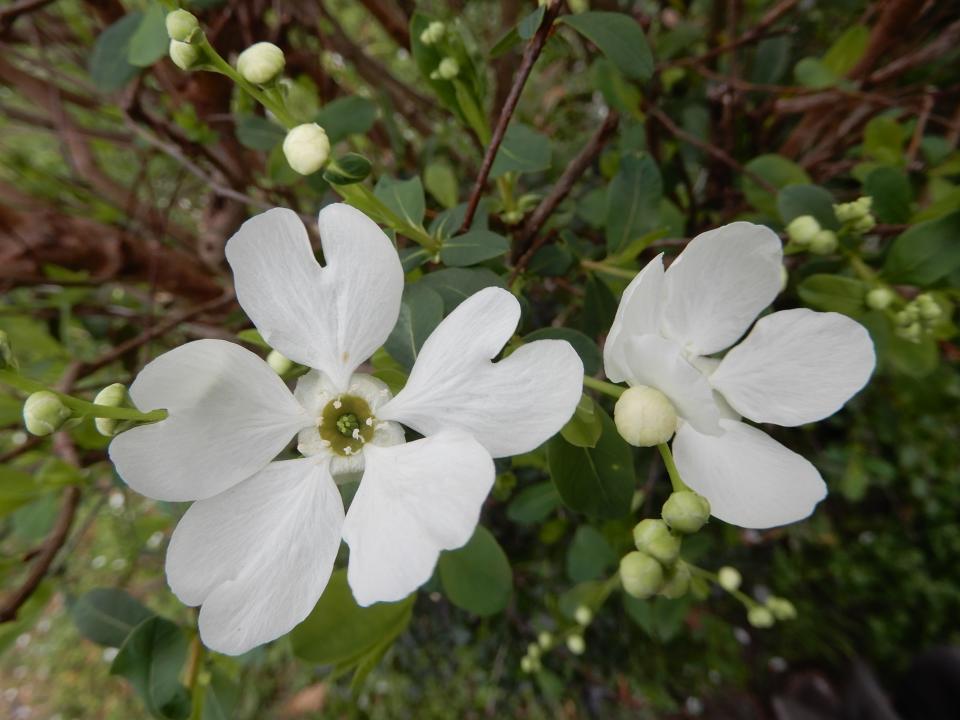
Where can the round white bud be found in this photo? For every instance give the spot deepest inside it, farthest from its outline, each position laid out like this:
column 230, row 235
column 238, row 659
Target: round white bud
column 802, row 230
column 824, row 242
column 729, row 578
column 545, row 640
column 111, row 396
column 583, row 615
column 880, row 298
column 644, row 416
column 44, row 413
column 760, row 617
column 576, row 644
column 182, row 25
column 261, row 63
column 306, row 148
column 184, row 55
column 448, row 68
column 279, row 362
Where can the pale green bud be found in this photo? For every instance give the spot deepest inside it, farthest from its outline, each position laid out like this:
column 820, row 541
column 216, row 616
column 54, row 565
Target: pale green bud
column 880, row 298
column 847, row 212
column 824, row 242
column 911, row 333
column 448, row 68
column 533, row 650
column 864, row 224
column 928, row 308
column 781, row 608
column 784, row 277
column 685, row 511
column 576, row 644
column 112, row 396
column 261, row 63
column 863, row 205
column 44, row 413
column 433, row 33
column 729, row 578
column 545, row 640
column 644, row 416
column 306, row 148
column 640, row 574
column 653, row 537
column 182, row 26
column 529, row 664
column 278, row 362
column 184, row 55
column 676, row 582
column 583, row 615
column 801, row 230
column 760, row 617
column 6, row 352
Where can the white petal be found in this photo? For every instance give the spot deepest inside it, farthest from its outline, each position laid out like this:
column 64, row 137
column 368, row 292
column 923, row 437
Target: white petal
column 330, row 318
column 259, row 555
column 796, row 366
column 414, row 501
column 511, row 406
column 719, row 284
column 749, row 478
column 639, row 313
column 229, row 415
column 659, row 363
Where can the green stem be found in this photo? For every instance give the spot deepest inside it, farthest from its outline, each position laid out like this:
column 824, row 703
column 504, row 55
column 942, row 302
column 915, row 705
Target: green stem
column 747, row 601
column 603, row 386
column 863, row 271
column 194, row 664
column 675, row 479
column 362, row 198
column 602, row 267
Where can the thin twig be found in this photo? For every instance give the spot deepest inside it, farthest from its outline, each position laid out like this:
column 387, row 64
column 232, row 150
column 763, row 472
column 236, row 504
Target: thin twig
column 530, row 55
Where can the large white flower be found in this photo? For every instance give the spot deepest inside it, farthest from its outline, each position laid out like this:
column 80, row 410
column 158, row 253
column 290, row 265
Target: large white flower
column 795, row 367
column 258, row 546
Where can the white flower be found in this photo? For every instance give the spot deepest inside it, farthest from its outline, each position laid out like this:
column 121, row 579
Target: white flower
column 258, row 547
column 795, row 367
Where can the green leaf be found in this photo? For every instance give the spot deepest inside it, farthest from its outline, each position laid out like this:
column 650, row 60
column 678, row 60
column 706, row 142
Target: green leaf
column 457, row 284
column 846, row 52
column 152, row 659
column 812, row 73
column 891, row 192
column 533, row 504
column 589, row 555
column 524, row 30
column 108, row 65
column 477, row 577
column 17, row 488
column 776, row 170
column 925, row 253
column 347, row 169
column 834, row 293
column 403, row 197
column 421, row 310
column 473, row 247
column 221, row 697
column 597, row 481
column 619, row 37
column 258, row 133
column 662, row 619
column 523, row 150
column 772, row 60
column 586, row 348
column 340, row 632
column 107, row 615
column 633, row 202
column 584, row 428
column 150, row 42
column 441, row 182
column 352, row 115
column 883, row 140
column 796, row 200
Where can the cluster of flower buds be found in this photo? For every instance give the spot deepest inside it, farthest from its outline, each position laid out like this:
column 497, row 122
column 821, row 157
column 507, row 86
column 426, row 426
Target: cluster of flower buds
column 531, row 662
column 856, row 215
column 185, row 39
column 773, row 610
column 918, row 317
column 805, row 232
column 433, row 33
column 644, row 416
column 655, row 566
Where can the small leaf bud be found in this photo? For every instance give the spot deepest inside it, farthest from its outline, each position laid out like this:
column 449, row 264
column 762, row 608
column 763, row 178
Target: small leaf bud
column 448, row 69
column 583, row 615
column 676, row 582
column 44, row 413
column 182, row 26
column 653, row 537
column 576, row 644
column 644, row 416
column 781, row 608
column 729, row 578
column 824, row 242
column 112, row 396
column 545, row 640
column 184, row 55
column 306, row 148
column 685, row 511
column 760, row 617
column 641, row 575
column 278, row 362
column 880, row 298
column 802, row 229
column 261, row 63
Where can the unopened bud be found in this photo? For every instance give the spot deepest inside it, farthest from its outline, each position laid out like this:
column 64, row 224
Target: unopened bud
column 760, row 617
column 182, row 26
column 864, row 224
column 44, row 413
column 576, row 644
column 111, row 396
column 529, row 664
column 911, row 333
column 641, row 575
column 278, row 362
column 928, row 308
column 784, row 277
column 545, row 640
column 261, row 63
column 184, row 55
column 801, row 230
column 685, row 511
column 533, row 650
column 306, row 148
column 676, row 582
column 729, row 578
column 781, row 608
column 448, row 69
column 880, row 298
column 583, row 615
column 6, row 352
column 653, row 537
column 824, row 242
column 433, row 33
column 644, row 416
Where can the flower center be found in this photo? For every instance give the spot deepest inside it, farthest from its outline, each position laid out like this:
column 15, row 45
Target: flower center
column 346, row 424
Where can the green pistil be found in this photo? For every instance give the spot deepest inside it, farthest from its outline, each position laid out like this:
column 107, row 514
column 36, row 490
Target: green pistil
column 347, row 424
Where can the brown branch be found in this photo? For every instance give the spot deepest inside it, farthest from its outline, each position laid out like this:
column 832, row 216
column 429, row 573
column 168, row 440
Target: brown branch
column 14, row 10
column 391, row 18
column 530, row 55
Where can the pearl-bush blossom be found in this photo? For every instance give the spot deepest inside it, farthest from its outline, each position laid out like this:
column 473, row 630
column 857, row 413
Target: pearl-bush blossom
column 258, row 545
column 794, row 367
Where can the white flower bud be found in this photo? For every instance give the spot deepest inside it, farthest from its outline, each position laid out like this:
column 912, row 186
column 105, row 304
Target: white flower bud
column 760, row 617
column 644, row 416
column 802, row 230
column 278, row 362
column 306, row 148
column 928, row 308
column 880, row 298
column 182, row 26
column 533, row 650
column 433, row 33
column 261, row 63
column 640, row 575
column 112, row 396
column 583, row 615
column 576, row 644
column 781, row 608
column 184, row 55
column 824, row 242
column 526, row 664
column 448, row 68
column 545, row 640
column 44, row 413
column 729, row 578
